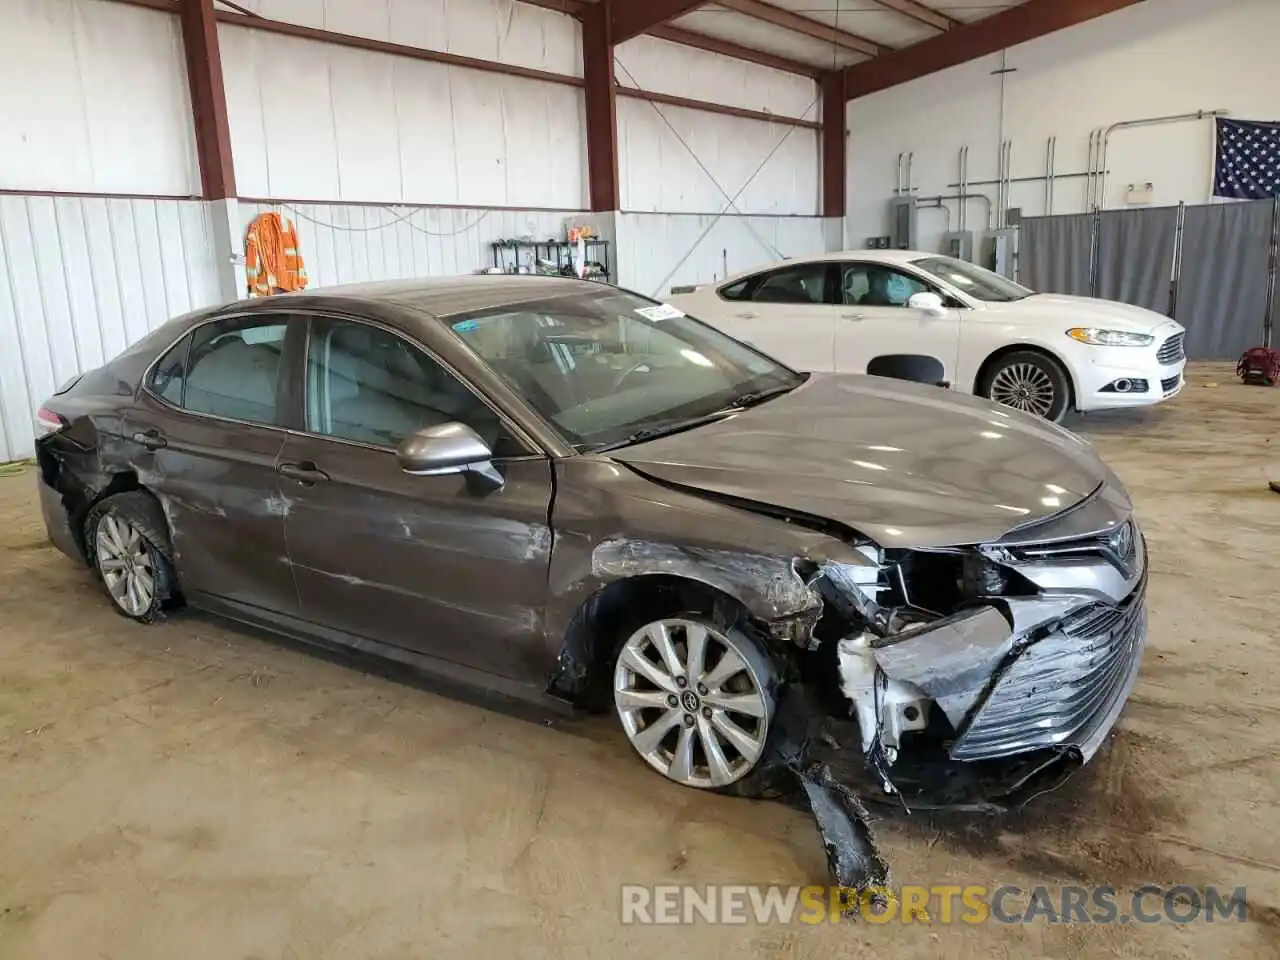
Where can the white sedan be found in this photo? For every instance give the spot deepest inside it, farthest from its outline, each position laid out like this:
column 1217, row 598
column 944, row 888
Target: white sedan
column 947, row 321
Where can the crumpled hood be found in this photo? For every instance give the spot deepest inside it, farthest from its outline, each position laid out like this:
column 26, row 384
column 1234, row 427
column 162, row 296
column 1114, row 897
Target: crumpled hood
column 1085, row 312
column 905, row 464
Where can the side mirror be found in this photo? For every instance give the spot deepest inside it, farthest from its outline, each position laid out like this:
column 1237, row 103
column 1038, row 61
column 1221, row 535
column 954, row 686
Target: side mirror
column 929, row 303
column 446, row 449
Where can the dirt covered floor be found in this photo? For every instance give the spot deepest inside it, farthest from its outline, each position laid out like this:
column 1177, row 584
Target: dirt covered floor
column 194, row 790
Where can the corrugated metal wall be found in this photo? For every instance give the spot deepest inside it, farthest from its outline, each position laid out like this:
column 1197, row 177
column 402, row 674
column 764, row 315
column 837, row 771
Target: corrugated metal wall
column 655, row 251
column 93, row 99
column 374, row 128
column 349, row 244
column 80, row 278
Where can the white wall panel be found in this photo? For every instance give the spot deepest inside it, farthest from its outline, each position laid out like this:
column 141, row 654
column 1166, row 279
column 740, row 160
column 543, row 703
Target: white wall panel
column 664, row 67
column 80, row 279
column 661, row 165
column 93, row 98
column 656, row 251
column 503, row 30
column 1156, row 58
column 347, row 243
column 378, row 128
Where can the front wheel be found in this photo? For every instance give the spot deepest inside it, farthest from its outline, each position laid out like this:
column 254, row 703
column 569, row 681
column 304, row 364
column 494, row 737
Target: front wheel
column 696, row 700
column 1028, row 381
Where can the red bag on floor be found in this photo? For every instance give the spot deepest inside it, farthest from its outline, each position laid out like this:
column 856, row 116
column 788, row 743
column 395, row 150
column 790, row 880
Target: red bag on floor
column 1260, row 366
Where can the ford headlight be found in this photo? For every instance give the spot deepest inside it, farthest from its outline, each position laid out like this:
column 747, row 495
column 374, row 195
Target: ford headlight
column 1110, row 338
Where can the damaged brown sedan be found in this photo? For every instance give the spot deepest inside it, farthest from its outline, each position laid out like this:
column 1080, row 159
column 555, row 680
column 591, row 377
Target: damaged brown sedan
column 836, row 587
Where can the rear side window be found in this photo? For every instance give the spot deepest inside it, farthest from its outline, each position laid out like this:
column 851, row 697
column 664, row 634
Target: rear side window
column 169, row 375
column 805, row 283
column 229, row 368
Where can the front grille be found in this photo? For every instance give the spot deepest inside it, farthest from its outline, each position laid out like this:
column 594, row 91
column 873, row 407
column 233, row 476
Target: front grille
column 1170, row 385
column 1171, row 351
column 1064, row 690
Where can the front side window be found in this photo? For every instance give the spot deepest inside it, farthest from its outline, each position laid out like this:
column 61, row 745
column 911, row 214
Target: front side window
column 875, row 285
column 605, row 365
column 804, row 283
column 228, row 368
column 977, row 282
column 371, row 386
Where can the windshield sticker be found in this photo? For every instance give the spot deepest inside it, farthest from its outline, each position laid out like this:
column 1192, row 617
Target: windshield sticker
column 466, row 326
column 662, row 312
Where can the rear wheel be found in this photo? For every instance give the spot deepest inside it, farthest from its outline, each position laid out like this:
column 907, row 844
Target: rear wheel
column 128, row 544
column 1028, row 381
column 696, row 700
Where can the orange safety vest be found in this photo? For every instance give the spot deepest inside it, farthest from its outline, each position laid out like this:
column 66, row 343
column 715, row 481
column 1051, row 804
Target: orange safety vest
column 272, row 261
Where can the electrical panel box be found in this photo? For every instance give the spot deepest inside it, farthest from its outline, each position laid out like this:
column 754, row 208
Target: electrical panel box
column 1003, row 255
column 904, row 217
column 958, row 244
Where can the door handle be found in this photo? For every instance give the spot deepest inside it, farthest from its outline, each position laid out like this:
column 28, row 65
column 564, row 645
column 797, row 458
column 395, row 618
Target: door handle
column 151, row 439
column 305, row 473
column 746, row 315
column 853, row 316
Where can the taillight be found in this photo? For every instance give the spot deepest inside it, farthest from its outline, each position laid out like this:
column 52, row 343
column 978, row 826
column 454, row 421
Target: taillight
column 48, row 422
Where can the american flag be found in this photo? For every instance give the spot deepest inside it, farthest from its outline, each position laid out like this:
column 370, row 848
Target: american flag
column 1247, row 164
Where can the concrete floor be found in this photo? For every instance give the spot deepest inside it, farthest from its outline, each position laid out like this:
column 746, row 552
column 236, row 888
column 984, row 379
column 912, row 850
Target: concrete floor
column 193, row 790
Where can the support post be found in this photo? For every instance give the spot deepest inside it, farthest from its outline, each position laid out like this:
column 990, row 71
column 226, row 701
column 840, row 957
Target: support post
column 601, row 106
column 835, row 153
column 213, row 141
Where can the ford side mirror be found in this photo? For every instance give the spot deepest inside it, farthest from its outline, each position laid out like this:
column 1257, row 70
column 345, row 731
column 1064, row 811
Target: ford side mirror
column 929, row 303
column 448, row 448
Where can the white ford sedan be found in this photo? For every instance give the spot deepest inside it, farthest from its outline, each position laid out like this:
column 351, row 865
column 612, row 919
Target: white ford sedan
column 947, row 321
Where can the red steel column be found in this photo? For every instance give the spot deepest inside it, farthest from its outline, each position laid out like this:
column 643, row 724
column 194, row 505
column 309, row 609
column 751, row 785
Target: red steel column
column 208, row 99
column 835, row 177
column 601, row 107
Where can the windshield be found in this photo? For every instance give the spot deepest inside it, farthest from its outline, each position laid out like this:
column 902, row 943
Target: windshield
column 975, row 281
column 606, row 365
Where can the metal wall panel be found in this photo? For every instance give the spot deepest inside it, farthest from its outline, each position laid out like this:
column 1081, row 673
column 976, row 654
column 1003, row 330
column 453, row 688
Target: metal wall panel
column 376, row 128
column 93, row 98
column 351, row 244
column 664, row 67
column 503, row 30
column 676, row 160
column 80, row 279
column 655, row 251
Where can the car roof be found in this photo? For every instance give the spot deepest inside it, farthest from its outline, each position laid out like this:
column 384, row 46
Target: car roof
column 877, row 256
column 445, row 296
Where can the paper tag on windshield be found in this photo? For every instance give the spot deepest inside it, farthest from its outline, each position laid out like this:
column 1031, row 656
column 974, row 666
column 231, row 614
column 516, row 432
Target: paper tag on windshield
column 663, row 312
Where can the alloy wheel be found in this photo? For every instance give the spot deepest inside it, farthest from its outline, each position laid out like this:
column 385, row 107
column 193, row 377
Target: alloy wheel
column 1026, row 387
column 125, row 564
column 694, row 701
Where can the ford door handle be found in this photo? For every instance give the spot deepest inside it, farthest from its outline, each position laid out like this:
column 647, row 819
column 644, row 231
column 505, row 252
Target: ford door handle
column 853, row 316
column 151, row 439
column 746, row 315
column 305, row 473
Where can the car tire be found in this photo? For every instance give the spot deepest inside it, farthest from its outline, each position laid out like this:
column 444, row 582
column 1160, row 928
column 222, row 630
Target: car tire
column 127, row 541
column 708, row 726
column 1030, row 381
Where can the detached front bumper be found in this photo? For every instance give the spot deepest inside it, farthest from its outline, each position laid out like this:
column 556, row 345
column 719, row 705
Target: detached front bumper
column 969, row 709
column 1066, row 690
